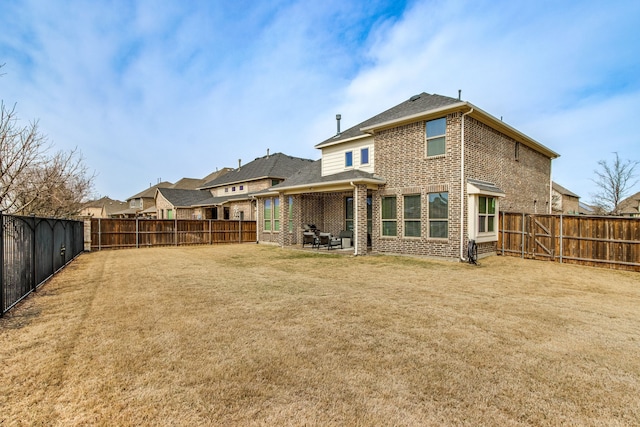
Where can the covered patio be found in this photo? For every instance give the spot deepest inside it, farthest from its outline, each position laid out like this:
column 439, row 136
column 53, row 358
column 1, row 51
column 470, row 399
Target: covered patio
column 332, row 204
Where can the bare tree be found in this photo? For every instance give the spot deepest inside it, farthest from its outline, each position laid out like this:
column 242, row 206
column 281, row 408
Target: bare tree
column 614, row 182
column 32, row 181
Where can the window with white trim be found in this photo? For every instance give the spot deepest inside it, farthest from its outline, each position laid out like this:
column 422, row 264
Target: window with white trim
column 364, row 156
column 483, row 210
column 436, row 131
column 348, row 159
column 486, row 214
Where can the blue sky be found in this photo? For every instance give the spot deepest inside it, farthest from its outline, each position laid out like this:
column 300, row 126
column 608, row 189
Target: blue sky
column 152, row 90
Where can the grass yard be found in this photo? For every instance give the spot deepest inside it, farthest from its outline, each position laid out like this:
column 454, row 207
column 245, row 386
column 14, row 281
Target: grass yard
column 257, row 335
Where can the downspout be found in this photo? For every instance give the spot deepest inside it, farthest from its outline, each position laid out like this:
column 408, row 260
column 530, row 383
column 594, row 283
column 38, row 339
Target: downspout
column 551, row 187
column 462, row 186
column 355, row 219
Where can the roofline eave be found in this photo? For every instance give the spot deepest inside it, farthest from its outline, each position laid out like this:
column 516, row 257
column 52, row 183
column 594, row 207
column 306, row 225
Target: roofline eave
column 319, row 186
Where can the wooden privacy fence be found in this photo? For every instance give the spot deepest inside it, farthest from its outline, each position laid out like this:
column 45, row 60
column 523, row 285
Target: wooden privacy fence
column 612, row 242
column 138, row 233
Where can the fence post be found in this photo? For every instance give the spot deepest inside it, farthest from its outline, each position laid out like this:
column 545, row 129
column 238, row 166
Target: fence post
column 33, row 254
column 522, row 238
column 561, row 232
column 99, row 234
column 175, row 229
column 502, row 214
column 1, row 264
column 210, row 237
column 137, row 234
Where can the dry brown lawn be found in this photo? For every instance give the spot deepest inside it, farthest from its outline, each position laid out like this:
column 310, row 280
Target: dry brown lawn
column 257, row 335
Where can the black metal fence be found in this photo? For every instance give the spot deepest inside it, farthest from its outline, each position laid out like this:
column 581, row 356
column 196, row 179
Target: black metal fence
column 32, row 250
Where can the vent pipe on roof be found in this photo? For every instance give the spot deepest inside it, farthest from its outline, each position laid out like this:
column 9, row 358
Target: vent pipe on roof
column 338, row 117
column 239, row 163
column 267, row 153
column 459, row 94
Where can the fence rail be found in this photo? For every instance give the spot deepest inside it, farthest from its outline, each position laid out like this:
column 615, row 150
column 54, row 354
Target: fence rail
column 107, row 233
column 33, row 249
column 613, row 242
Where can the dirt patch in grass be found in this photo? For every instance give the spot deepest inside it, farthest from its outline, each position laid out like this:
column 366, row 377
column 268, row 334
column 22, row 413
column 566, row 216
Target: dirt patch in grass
column 257, row 335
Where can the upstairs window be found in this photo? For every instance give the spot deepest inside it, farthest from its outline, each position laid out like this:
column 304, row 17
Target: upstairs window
column 364, row 156
column 348, row 159
column 436, row 130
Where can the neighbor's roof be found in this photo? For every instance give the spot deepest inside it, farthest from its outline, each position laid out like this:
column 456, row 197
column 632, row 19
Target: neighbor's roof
column 151, row 191
column 630, row 205
column 423, row 107
column 179, row 197
column 560, row 189
column 311, row 176
column 187, row 183
column 276, row 165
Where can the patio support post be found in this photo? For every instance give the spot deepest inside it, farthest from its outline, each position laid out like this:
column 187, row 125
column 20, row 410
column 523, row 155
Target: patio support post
column 360, row 220
column 283, row 237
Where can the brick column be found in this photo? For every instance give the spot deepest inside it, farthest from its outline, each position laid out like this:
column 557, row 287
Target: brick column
column 360, row 220
column 283, row 237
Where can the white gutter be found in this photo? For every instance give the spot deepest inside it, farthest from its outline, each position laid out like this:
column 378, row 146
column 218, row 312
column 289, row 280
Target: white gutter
column 462, row 186
column 355, row 219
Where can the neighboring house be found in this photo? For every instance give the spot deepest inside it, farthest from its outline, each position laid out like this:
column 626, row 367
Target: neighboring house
column 630, row 206
column 563, row 200
column 143, row 204
column 101, row 208
column 586, row 209
column 421, row 178
column 182, row 200
column 232, row 195
column 176, row 203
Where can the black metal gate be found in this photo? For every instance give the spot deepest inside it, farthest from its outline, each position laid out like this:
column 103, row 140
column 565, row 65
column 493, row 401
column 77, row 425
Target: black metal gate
column 32, row 249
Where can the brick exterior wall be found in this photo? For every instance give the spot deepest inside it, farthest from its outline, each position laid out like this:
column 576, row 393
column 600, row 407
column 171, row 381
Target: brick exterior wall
column 401, row 160
column 489, row 156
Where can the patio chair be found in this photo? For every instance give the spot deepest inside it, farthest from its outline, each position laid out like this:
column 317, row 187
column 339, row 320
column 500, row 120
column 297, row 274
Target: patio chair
column 308, row 238
column 324, row 239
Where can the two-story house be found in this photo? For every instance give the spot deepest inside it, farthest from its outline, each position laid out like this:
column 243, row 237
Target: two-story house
column 564, row 201
column 233, row 194
column 423, row 178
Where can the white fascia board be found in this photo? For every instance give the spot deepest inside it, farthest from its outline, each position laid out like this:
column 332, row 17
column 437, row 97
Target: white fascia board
column 340, row 141
column 322, row 186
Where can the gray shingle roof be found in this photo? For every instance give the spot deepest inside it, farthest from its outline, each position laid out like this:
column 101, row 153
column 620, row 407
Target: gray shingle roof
column 151, row 191
column 414, row 105
column 182, row 197
column 560, row 189
column 276, row 165
column 312, row 175
column 630, row 205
